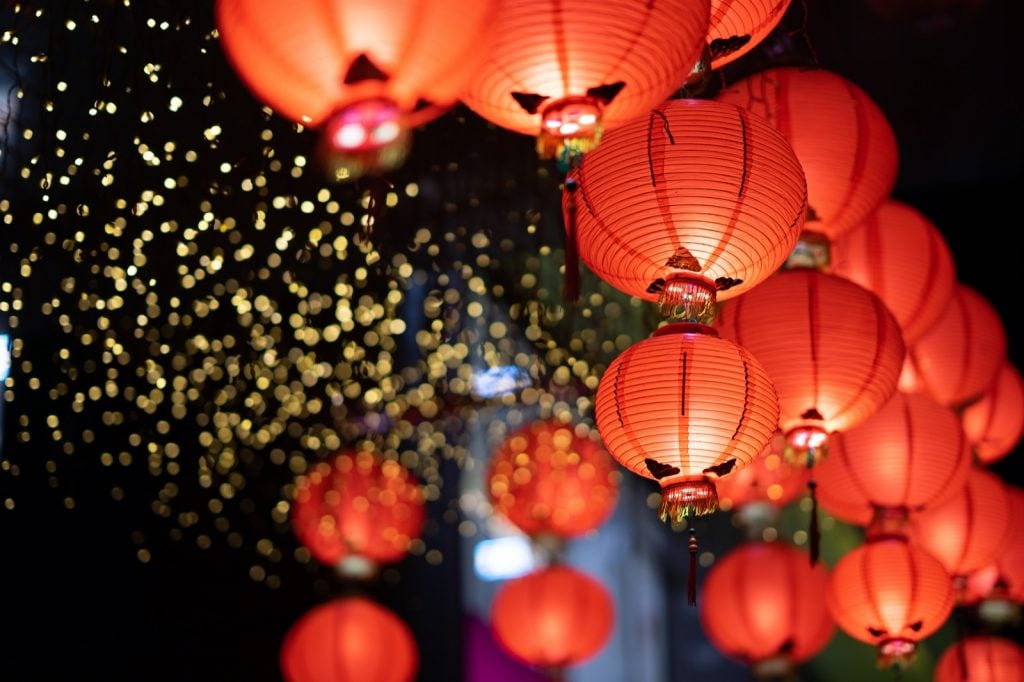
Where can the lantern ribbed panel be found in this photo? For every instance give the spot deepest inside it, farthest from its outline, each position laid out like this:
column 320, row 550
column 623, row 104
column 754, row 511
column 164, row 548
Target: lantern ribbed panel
column 739, row 18
column 1009, row 566
column 874, row 255
column 349, row 639
column 994, row 424
column 958, row 358
column 546, row 479
column 685, row 400
column 987, row 658
column 357, row 504
column 829, row 345
column 888, row 586
column 770, row 478
column 553, row 618
column 844, row 142
column 295, row 55
column 765, row 600
column 708, row 181
column 562, row 48
column 911, row 454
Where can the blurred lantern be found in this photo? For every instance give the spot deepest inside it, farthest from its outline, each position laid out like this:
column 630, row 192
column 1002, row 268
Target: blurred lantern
column 349, row 639
column 958, row 358
column 981, row 659
column 891, row 595
column 999, row 588
column 756, row 492
column 738, row 26
column 909, row 456
column 563, row 71
column 694, row 198
column 553, row 618
column 553, row 479
column 875, row 255
column 366, row 72
column 994, row 424
column 764, row 605
column 843, row 140
column 357, row 510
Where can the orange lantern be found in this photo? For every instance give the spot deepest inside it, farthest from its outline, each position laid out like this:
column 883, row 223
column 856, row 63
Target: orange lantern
column 981, row 659
column 843, row 140
column 349, row 639
column 957, row 359
column 874, row 255
column 891, row 595
column 563, row 71
column 553, row 618
column 831, row 348
column 696, row 196
column 553, row 479
column 738, row 26
column 1003, row 581
column 367, row 72
column 764, row 605
column 911, row 455
column 771, row 479
column 358, row 507
column 994, row 423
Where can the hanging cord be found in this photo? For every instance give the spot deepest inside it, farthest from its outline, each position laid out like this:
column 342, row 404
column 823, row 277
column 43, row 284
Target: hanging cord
column 813, row 531
column 378, row 188
column 691, row 579
column 961, row 650
column 805, row 34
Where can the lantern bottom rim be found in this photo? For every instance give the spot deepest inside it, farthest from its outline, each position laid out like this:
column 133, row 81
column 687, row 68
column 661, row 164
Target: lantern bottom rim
column 688, row 498
column 896, row 652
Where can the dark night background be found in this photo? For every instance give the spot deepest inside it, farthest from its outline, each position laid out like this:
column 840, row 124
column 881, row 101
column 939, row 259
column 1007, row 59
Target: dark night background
column 78, row 603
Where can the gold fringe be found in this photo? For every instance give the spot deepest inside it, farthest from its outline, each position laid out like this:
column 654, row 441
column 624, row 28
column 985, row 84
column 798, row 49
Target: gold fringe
column 680, row 501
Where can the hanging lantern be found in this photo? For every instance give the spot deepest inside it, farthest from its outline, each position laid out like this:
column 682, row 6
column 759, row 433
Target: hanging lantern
column 553, row 618
column 366, row 73
column 981, row 659
column 957, row 359
column 1000, row 586
column 843, row 140
column 563, row 71
column 994, row 423
column 874, row 255
column 349, row 639
column 737, row 27
column 756, row 492
column 909, row 456
column 695, row 198
column 553, row 479
column 357, row 510
column 764, row 606
column 891, row 595
column 831, row 348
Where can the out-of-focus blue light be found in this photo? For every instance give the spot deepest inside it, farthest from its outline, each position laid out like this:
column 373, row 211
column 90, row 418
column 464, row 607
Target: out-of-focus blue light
column 495, row 382
column 5, row 356
column 503, row 558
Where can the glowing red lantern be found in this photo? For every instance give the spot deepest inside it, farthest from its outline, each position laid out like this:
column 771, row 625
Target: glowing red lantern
column 764, row 605
column 1003, row 581
column 891, row 595
column 551, row 478
column 843, row 140
column 349, row 639
column 357, row 507
column 957, row 359
column 911, row 455
column 553, row 618
column 994, row 423
column 564, row 70
column 695, row 197
column 367, row 71
column 981, row 659
column 770, row 479
column 831, row 348
column 738, row 26
column 874, row 255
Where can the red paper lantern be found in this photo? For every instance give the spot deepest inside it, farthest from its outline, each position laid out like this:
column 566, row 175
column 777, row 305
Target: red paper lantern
column 357, row 505
column 1007, row 583
column 874, row 255
column 770, row 479
column 553, row 618
column 685, row 407
column 764, row 605
column 994, row 424
column 891, row 595
column 349, row 639
column 830, row 346
column 981, row 659
column 551, row 478
column 565, row 70
column 911, row 455
column 738, row 26
column 957, row 359
column 843, row 140
column 368, row 71
column 695, row 191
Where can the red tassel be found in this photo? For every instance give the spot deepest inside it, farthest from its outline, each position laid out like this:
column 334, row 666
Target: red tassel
column 691, row 580
column 815, row 534
column 571, row 284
